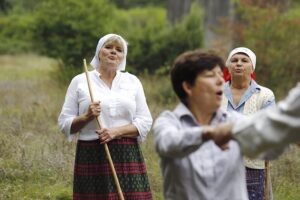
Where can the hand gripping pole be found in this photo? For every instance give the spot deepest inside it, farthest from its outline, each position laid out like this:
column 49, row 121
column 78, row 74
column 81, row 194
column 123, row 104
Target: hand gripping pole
column 105, row 145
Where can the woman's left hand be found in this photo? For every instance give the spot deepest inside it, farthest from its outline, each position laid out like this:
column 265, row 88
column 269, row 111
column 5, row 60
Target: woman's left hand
column 106, row 135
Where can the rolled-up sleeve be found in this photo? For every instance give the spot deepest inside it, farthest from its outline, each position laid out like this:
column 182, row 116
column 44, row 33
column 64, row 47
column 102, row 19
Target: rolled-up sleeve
column 69, row 110
column 142, row 119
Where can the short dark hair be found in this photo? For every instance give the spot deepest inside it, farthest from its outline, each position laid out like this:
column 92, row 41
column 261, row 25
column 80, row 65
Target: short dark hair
column 188, row 65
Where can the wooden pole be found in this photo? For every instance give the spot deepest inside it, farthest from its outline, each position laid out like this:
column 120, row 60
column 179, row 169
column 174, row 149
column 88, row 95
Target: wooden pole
column 105, row 145
column 267, row 185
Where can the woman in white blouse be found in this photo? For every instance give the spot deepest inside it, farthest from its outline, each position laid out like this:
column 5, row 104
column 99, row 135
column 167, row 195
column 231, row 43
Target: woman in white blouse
column 120, row 101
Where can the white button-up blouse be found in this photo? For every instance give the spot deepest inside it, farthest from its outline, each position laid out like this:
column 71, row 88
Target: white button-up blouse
column 122, row 104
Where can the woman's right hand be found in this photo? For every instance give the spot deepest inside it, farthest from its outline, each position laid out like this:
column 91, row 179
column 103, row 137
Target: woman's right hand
column 94, row 110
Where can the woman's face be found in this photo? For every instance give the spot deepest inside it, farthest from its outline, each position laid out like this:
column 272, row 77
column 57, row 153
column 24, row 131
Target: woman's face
column 111, row 54
column 207, row 89
column 240, row 66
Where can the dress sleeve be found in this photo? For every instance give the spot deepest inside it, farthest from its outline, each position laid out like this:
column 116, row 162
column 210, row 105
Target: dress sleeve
column 69, row 110
column 142, row 119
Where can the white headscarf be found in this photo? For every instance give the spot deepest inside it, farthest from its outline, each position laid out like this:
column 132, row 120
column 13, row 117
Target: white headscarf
column 96, row 61
column 244, row 50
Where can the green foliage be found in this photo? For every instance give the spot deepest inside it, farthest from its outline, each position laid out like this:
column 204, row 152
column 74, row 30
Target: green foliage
column 295, row 2
column 70, row 29
column 35, row 160
column 285, row 181
column 161, row 96
column 4, row 6
column 138, row 3
column 153, row 43
column 268, row 33
column 141, row 32
column 294, row 13
column 16, row 32
column 26, row 5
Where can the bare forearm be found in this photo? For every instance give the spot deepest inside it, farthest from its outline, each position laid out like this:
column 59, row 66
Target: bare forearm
column 79, row 122
column 273, row 128
column 127, row 131
column 106, row 135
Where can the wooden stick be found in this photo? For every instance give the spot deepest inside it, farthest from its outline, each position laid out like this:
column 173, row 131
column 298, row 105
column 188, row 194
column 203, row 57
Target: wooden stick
column 105, row 145
column 267, row 185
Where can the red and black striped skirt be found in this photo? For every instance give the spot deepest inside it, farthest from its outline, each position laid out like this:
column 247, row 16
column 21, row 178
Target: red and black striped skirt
column 93, row 179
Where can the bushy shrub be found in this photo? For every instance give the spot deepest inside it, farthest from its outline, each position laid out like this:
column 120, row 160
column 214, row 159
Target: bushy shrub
column 137, row 3
column 70, row 29
column 16, row 32
column 153, row 43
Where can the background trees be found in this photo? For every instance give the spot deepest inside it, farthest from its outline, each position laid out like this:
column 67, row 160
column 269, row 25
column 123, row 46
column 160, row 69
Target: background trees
column 157, row 31
column 33, row 155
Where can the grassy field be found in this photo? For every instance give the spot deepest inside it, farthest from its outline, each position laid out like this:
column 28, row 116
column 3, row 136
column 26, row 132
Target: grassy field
column 36, row 162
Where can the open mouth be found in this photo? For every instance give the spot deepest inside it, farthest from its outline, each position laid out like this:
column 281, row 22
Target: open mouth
column 219, row 93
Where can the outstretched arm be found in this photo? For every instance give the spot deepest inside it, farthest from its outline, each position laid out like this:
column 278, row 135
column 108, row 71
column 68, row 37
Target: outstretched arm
column 267, row 130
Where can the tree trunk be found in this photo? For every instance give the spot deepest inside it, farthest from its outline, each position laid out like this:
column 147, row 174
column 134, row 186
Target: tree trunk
column 4, row 6
column 177, row 9
column 217, row 12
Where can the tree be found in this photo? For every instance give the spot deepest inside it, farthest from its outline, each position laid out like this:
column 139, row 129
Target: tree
column 71, row 31
column 4, row 6
column 268, row 3
column 137, row 3
column 267, row 31
column 177, row 9
column 216, row 12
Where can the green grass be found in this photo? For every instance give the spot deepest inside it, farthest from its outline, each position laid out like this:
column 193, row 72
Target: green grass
column 36, row 162
column 285, row 173
column 25, row 67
